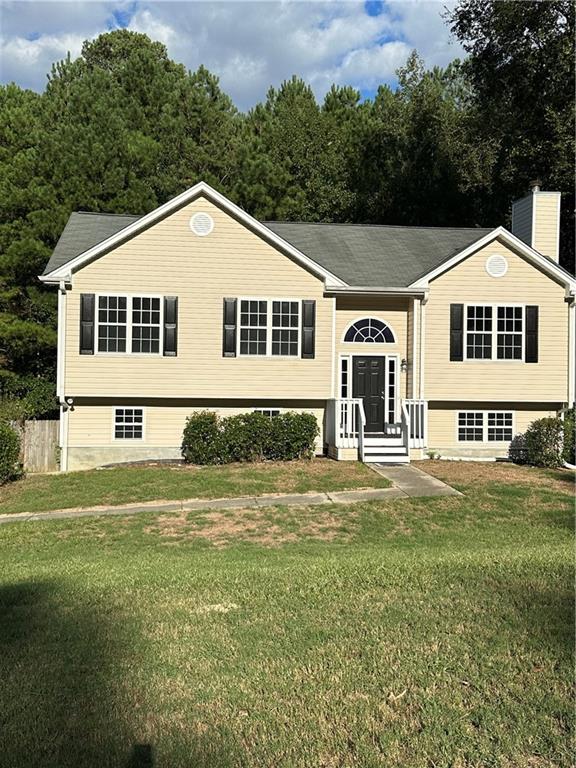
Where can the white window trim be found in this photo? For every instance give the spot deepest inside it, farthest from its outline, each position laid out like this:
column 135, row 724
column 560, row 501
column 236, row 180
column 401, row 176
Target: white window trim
column 484, row 440
column 128, row 440
column 494, row 358
column 128, row 297
column 268, row 411
column 269, row 314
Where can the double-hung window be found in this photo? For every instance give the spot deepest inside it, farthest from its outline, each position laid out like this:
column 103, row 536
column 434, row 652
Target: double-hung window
column 485, row 426
column 269, row 327
column 129, row 324
column 494, row 332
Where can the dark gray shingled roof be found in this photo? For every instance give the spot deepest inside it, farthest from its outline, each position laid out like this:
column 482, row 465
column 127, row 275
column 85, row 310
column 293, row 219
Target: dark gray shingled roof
column 377, row 256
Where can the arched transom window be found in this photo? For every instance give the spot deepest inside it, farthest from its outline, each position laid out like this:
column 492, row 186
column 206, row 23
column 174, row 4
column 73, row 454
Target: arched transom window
column 370, row 330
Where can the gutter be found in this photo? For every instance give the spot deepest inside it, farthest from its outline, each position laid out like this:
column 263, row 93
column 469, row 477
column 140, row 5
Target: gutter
column 369, row 290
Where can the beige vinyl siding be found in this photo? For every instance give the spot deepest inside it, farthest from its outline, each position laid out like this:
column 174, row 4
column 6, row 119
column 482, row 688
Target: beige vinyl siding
column 443, row 426
column 522, row 219
column 392, row 311
column 546, row 223
column 469, row 283
column 91, row 428
column 168, row 259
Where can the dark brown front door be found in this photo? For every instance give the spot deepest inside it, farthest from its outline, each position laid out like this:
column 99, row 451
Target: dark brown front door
column 368, row 383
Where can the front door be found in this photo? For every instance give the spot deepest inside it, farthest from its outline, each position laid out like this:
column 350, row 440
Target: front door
column 368, row 382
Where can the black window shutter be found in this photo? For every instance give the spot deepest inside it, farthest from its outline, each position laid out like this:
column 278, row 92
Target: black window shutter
column 229, row 328
column 308, row 328
column 170, row 326
column 87, row 308
column 457, row 332
column 531, row 351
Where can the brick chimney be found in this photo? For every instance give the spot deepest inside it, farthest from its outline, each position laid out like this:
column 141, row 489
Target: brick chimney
column 536, row 220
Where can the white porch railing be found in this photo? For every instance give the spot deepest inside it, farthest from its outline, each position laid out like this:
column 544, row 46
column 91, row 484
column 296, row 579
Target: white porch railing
column 417, row 422
column 345, row 420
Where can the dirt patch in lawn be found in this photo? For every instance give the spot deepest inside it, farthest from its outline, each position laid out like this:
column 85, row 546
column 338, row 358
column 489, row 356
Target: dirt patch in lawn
column 259, row 526
column 482, row 472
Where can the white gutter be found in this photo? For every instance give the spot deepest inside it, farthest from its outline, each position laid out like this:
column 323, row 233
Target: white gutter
column 357, row 290
column 61, row 376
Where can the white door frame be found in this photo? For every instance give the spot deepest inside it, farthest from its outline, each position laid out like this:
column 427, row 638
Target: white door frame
column 350, row 373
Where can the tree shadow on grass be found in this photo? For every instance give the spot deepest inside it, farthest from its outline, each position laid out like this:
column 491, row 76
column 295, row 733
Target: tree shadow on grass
column 62, row 702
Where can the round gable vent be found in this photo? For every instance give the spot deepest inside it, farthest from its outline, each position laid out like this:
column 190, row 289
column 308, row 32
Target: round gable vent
column 201, row 224
column 496, row 265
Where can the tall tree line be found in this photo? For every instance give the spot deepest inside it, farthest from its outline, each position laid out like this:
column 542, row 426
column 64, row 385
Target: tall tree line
column 123, row 128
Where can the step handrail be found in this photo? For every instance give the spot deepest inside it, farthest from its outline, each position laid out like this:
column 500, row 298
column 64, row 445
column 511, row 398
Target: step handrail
column 361, row 422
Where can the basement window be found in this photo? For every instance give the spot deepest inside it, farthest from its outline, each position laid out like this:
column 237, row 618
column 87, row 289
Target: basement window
column 128, row 423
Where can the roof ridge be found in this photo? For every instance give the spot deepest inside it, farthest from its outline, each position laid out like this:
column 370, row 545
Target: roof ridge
column 379, row 226
column 105, row 213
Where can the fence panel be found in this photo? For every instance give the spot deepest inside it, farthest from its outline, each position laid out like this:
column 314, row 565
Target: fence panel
column 40, row 445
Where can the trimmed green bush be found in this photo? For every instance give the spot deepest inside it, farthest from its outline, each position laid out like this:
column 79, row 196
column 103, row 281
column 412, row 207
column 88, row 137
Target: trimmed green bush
column 543, row 440
column 209, row 439
column 201, row 442
column 9, row 453
column 569, row 450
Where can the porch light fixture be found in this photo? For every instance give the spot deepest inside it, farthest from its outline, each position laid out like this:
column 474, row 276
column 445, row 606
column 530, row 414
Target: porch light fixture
column 404, row 365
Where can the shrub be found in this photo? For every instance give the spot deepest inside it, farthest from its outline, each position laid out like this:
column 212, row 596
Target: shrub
column 517, row 451
column 248, row 437
column 293, row 436
column 9, row 453
column 544, row 442
column 569, row 450
column 201, row 442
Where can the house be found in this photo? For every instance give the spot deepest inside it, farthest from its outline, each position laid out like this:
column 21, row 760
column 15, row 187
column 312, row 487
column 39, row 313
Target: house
column 400, row 340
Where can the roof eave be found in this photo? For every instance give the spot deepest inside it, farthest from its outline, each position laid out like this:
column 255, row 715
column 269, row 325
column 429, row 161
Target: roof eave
column 63, row 272
column 373, row 290
column 554, row 270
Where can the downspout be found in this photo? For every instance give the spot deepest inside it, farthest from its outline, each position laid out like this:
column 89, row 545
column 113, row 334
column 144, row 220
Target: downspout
column 61, row 376
column 571, row 351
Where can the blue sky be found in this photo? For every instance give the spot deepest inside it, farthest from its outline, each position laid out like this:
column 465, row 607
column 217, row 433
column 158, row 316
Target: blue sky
column 249, row 45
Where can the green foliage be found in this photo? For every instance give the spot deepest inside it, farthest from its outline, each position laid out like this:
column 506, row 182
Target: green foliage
column 569, row 449
column 543, row 442
column 9, row 453
column 26, row 397
column 209, row 439
column 201, row 441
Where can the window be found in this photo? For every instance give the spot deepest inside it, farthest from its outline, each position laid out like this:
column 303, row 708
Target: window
column 270, row 412
column 253, row 327
column 479, row 333
column 128, row 423
column 285, row 327
column 145, row 324
column 112, row 323
column 269, row 327
column 499, row 427
column 392, row 390
column 471, row 426
column 509, row 333
column 344, row 378
column 369, row 330
column 494, row 332
column 485, row 426
column 129, row 324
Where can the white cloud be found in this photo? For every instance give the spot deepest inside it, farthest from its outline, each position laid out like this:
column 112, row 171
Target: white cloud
column 249, row 45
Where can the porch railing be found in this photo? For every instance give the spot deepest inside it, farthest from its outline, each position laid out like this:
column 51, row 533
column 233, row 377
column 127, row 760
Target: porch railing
column 345, row 420
column 417, row 422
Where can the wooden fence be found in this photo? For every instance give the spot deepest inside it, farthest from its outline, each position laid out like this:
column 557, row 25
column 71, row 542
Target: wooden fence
column 39, row 451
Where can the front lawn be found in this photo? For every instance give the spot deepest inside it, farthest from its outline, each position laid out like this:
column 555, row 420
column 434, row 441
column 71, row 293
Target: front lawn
column 123, row 485
column 421, row 633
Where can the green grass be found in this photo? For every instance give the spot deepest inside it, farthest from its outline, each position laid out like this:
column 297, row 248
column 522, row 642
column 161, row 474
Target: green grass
column 123, row 485
column 429, row 633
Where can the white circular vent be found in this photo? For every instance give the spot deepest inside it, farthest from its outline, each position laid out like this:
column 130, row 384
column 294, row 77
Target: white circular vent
column 496, row 265
column 201, row 224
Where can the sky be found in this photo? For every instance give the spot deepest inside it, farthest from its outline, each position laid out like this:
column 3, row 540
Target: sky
column 249, row 45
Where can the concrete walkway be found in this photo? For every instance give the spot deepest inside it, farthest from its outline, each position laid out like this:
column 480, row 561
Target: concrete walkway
column 406, row 480
column 413, row 481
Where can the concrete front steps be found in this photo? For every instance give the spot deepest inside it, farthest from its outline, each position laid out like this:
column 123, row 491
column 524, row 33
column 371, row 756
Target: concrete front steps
column 381, row 449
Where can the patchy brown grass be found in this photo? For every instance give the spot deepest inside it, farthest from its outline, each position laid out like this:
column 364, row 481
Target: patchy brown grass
column 482, row 472
column 266, row 527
